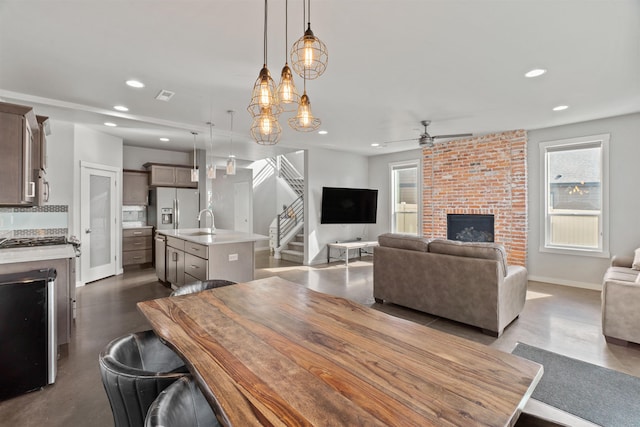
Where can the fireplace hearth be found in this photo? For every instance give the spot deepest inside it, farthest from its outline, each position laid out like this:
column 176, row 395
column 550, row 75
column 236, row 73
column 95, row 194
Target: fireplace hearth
column 470, row 228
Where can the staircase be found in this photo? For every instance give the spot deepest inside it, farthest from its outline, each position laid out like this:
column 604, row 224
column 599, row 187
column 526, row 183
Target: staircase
column 288, row 235
column 295, row 249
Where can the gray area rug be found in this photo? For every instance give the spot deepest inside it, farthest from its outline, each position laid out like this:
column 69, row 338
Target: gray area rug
column 596, row 394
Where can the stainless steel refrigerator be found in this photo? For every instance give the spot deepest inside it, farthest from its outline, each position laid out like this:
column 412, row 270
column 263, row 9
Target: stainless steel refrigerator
column 173, row 208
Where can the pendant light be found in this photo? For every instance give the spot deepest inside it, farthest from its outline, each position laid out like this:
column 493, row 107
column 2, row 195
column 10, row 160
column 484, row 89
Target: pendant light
column 231, row 161
column 195, row 176
column 264, row 95
column 266, row 129
column 309, row 56
column 304, row 120
column 211, row 167
column 287, row 92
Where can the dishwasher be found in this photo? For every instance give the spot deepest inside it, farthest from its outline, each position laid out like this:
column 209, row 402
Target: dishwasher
column 161, row 262
column 27, row 331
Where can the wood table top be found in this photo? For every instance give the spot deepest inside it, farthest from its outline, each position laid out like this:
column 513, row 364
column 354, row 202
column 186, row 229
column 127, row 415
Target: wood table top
column 272, row 352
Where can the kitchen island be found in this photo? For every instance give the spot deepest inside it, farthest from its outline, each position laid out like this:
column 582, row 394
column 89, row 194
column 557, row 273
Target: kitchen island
column 195, row 254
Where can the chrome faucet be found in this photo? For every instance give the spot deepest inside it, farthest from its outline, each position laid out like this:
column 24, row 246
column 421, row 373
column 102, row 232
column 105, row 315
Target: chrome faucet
column 210, row 212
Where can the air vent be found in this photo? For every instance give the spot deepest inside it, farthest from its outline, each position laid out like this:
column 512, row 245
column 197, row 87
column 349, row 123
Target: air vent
column 165, row 95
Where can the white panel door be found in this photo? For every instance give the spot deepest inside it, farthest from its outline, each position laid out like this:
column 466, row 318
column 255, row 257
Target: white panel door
column 98, row 221
column 242, row 207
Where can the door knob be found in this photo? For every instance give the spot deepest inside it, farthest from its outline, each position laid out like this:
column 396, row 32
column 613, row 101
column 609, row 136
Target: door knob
column 88, row 230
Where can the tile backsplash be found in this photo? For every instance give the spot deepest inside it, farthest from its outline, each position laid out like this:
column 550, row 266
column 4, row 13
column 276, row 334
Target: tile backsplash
column 50, row 220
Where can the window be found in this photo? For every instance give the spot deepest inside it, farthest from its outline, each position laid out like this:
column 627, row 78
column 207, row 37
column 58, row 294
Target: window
column 404, row 197
column 575, row 195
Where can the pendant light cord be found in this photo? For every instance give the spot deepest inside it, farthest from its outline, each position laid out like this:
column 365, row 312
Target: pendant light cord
column 265, row 32
column 286, row 29
column 309, row 13
column 231, row 131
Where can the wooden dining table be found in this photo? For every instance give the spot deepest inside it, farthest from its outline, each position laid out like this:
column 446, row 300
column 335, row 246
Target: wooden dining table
column 274, row 353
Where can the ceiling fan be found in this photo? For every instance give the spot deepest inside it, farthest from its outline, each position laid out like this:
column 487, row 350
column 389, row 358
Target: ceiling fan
column 426, row 140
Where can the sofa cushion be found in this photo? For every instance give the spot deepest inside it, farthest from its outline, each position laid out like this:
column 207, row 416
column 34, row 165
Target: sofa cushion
column 621, row 274
column 483, row 250
column 636, row 260
column 404, row 241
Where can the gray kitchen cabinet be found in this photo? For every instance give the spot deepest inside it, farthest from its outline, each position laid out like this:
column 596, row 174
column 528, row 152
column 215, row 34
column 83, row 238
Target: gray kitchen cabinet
column 18, row 174
column 135, row 188
column 137, row 246
column 163, row 175
column 175, row 261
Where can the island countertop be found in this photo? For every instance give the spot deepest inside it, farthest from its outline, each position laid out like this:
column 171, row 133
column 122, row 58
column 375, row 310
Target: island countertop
column 219, row 236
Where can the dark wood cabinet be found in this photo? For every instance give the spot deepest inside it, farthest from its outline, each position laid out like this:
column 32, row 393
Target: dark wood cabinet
column 137, row 246
column 163, row 175
column 135, row 188
column 18, row 174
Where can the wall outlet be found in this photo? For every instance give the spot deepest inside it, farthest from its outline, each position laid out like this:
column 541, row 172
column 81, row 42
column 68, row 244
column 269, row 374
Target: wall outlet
column 233, row 257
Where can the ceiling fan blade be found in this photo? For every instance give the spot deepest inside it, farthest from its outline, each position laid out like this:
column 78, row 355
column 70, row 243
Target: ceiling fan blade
column 397, row 140
column 455, row 135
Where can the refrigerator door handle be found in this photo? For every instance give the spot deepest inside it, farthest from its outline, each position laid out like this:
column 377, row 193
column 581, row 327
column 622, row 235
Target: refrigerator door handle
column 176, row 225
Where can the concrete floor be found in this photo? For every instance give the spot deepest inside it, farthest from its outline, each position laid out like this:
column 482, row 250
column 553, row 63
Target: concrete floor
column 560, row 319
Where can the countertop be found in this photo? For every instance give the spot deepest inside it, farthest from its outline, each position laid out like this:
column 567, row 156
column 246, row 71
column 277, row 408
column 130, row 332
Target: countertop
column 36, row 253
column 220, row 237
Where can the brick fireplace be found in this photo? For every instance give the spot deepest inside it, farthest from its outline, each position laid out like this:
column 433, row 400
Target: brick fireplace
column 484, row 175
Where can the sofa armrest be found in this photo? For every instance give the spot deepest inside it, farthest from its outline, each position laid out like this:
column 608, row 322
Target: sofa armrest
column 622, row 261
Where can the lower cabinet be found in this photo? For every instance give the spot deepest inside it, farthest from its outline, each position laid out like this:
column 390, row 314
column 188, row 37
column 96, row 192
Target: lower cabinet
column 137, row 245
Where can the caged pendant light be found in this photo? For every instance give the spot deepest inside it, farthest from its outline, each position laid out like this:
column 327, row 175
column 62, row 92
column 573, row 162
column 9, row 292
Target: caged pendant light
column 195, row 176
column 287, row 92
column 264, row 95
column 211, row 167
column 304, row 120
column 231, row 161
column 309, row 56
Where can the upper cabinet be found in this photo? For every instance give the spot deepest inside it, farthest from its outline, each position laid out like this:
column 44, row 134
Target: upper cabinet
column 135, row 188
column 19, row 135
column 163, row 175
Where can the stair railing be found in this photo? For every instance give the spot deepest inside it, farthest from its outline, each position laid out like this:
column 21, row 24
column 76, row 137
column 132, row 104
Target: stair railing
column 290, row 216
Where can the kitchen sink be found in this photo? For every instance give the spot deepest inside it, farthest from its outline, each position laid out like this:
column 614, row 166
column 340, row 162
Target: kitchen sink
column 199, row 233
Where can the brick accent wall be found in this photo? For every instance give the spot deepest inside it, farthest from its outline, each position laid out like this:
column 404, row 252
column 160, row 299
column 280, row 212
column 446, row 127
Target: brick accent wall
column 479, row 175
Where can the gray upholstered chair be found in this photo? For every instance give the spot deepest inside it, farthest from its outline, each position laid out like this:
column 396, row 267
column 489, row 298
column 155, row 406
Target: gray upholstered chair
column 181, row 404
column 200, row 286
column 135, row 368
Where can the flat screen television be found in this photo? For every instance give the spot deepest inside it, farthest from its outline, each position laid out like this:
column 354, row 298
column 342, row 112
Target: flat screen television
column 348, row 206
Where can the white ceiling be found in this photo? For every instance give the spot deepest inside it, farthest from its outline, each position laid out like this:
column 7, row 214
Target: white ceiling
column 392, row 63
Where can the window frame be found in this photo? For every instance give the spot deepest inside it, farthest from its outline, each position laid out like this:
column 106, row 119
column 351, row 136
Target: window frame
column 417, row 164
column 602, row 251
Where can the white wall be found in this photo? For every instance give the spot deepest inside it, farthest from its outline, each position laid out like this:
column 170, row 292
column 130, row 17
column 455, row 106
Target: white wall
column 223, row 197
column 135, row 157
column 624, row 203
column 380, row 178
column 60, row 163
column 330, row 169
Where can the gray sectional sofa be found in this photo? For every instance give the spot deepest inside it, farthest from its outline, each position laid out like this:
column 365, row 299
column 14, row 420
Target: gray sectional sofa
column 464, row 281
column 621, row 301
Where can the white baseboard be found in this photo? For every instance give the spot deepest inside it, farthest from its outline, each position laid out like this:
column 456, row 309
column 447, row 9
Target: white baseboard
column 79, row 283
column 564, row 282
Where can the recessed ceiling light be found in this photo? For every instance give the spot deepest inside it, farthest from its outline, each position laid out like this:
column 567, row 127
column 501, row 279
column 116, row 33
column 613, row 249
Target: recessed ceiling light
column 112, row 125
column 164, row 139
column 322, row 132
column 135, row 83
column 560, row 107
column 120, row 108
column 375, row 144
column 536, row 72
